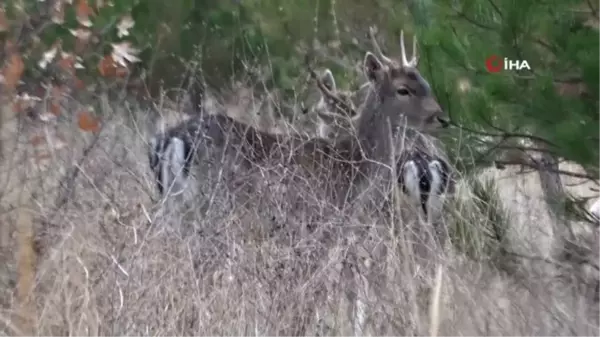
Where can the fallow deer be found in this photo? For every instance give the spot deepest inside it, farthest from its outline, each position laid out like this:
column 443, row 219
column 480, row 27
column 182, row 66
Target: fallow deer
column 333, row 123
column 423, row 177
column 358, row 168
column 400, row 102
column 398, row 96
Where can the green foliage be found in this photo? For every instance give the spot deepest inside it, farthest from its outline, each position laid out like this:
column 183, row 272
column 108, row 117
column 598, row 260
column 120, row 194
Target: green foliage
column 237, row 36
column 561, row 51
column 268, row 40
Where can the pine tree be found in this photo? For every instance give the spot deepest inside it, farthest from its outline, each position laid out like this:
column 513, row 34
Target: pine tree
column 503, row 117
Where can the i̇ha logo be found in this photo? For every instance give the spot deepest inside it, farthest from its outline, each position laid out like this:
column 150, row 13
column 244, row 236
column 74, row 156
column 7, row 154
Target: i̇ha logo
column 496, row 63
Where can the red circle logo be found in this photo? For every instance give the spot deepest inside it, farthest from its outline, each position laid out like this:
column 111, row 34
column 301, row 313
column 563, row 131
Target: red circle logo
column 493, row 64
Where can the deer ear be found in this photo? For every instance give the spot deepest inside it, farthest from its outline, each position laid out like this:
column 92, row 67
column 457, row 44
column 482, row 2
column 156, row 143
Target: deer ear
column 372, row 66
column 328, row 80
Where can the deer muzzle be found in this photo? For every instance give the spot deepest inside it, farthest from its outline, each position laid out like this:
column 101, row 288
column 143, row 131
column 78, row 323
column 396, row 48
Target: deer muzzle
column 444, row 122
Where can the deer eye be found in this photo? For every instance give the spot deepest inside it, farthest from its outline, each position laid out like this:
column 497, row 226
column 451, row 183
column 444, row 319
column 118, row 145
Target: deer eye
column 403, row 92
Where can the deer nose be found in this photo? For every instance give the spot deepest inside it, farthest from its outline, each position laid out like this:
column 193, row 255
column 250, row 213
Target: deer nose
column 445, row 123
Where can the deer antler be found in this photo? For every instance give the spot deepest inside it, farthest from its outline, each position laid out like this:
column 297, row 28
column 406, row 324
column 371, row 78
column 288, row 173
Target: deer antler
column 376, row 47
column 413, row 60
column 338, row 101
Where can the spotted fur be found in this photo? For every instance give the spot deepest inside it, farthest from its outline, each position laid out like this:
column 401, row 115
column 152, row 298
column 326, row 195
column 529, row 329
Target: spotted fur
column 170, row 161
column 425, row 179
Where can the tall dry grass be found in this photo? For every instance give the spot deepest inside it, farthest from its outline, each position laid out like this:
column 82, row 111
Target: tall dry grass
column 111, row 260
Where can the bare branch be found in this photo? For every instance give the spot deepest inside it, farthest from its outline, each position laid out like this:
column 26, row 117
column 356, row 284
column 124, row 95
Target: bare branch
column 503, row 134
column 538, row 167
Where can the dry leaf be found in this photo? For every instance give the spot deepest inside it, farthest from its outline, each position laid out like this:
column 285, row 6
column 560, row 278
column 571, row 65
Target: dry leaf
column 84, row 11
column 50, row 55
column 67, row 63
column 87, row 122
column 13, row 70
column 123, row 53
column 124, row 26
column 108, row 68
column 79, row 63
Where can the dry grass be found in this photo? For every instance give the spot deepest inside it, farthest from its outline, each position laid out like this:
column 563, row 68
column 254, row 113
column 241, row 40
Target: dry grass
column 113, row 262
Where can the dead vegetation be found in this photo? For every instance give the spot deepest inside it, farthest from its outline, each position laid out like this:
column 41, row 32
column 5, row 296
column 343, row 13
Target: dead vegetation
column 106, row 259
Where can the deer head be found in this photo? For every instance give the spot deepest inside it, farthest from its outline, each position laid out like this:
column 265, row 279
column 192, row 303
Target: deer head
column 333, row 120
column 400, row 90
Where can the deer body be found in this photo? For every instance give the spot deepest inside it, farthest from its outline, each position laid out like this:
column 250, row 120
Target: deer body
column 398, row 105
column 229, row 151
column 233, row 146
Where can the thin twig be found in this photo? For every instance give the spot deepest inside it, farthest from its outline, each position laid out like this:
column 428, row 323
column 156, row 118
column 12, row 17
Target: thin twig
column 539, row 167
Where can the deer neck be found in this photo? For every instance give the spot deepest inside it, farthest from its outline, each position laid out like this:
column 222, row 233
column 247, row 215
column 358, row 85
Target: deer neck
column 374, row 127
